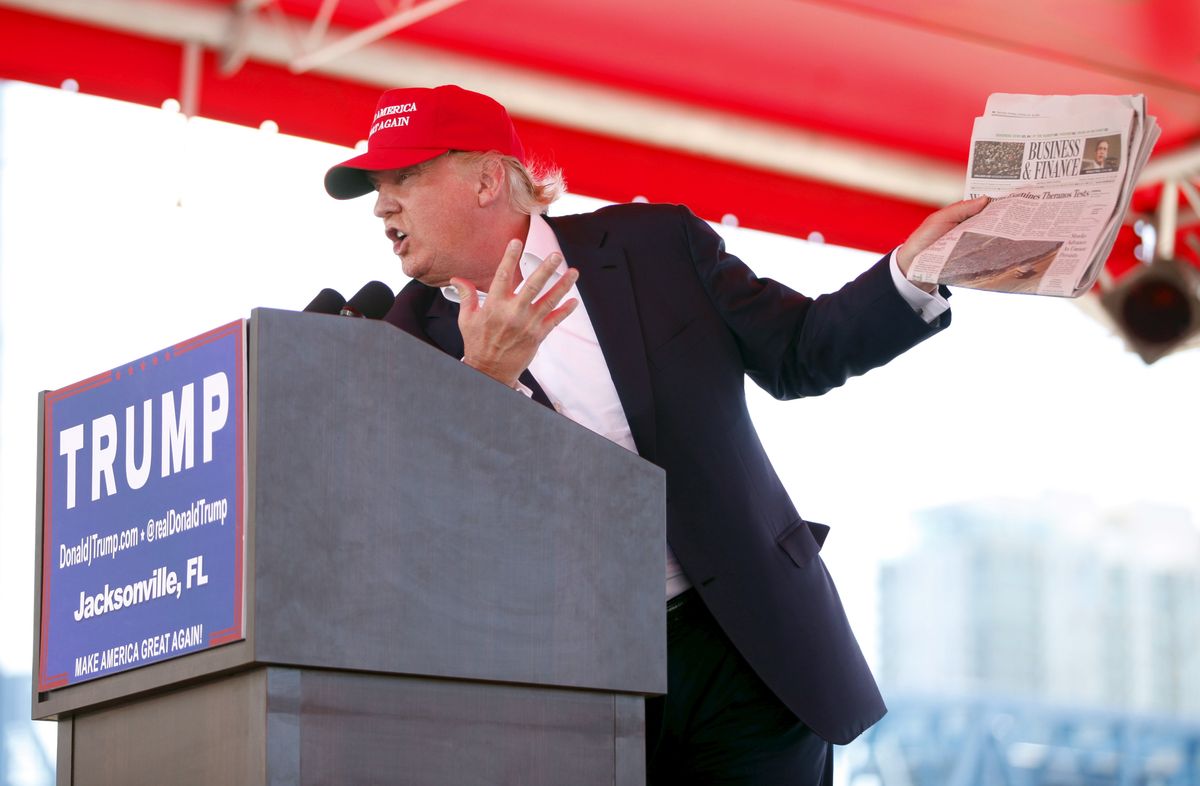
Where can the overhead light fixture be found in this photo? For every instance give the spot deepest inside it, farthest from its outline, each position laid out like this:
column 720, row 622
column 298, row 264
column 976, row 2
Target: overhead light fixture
column 1156, row 307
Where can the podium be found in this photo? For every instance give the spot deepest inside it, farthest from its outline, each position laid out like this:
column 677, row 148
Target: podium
column 445, row 583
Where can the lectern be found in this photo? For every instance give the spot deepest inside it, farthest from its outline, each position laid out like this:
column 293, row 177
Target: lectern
column 444, row 583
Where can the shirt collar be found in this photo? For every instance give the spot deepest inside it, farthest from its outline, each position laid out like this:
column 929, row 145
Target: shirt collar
column 540, row 243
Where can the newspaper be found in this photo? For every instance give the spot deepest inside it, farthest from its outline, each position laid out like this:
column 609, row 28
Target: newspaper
column 1060, row 171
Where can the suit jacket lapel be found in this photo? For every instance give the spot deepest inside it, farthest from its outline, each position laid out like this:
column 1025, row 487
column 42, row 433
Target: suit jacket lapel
column 441, row 325
column 606, row 289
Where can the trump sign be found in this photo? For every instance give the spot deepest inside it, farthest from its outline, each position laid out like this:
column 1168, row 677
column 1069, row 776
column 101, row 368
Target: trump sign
column 142, row 510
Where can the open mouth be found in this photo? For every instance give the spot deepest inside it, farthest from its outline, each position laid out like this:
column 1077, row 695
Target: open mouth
column 395, row 235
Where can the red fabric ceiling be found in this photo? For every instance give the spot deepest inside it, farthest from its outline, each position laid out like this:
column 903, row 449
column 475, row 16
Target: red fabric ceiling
column 911, row 80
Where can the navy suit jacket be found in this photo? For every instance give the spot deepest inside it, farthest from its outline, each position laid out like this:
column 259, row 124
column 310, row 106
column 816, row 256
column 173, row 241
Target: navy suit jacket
column 681, row 323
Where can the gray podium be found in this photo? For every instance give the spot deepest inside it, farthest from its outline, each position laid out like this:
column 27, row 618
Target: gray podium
column 445, row 584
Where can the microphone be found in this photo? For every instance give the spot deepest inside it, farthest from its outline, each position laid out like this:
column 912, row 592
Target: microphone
column 327, row 301
column 371, row 302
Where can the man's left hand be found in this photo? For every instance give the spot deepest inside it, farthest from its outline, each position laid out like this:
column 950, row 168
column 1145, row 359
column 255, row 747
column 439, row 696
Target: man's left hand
column 936, row 225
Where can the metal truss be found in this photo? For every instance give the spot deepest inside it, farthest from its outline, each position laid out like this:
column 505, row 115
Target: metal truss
column 315, row 47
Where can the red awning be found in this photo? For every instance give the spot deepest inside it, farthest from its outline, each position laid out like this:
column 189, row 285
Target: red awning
column 845, row 117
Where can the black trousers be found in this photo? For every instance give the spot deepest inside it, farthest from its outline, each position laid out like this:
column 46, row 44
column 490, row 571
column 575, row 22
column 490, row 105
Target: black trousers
column 718, row 723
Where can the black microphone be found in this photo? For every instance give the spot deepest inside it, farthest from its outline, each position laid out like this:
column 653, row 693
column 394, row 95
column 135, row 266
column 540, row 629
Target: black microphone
column 327, row 301
column 372, row 301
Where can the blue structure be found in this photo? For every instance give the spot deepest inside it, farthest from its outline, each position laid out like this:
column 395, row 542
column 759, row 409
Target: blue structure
column 1000, row 742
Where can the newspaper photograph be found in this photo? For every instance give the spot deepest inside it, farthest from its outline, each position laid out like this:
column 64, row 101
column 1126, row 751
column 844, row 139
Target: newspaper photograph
column 1059, row 171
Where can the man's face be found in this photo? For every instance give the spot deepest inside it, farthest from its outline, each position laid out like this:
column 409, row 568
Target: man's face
column 1101, row 152
column 427, row 214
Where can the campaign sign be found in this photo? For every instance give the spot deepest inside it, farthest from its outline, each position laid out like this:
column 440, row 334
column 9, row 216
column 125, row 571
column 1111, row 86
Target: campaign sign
column 142, row 511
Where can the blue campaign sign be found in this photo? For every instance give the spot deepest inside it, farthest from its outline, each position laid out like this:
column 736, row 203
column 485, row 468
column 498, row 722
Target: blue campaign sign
column 142, row 513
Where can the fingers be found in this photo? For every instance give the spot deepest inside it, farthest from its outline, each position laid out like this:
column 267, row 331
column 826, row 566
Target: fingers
column 555, row 317
column 961, row 211
column 557, row 292
column 936, row 225
column 954, row 214
column 468, row 295
column 529, row 298
column 502, row 283
column 538, row 278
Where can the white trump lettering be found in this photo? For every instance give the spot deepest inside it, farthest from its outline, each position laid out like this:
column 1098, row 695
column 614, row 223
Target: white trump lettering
column 177, row 448
column 69, row 443
column 104, row 452
column 216, row 388
column 136, row 476
column 177, row 438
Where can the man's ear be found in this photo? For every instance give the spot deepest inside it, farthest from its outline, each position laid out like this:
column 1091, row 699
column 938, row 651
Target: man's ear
column 491, row 185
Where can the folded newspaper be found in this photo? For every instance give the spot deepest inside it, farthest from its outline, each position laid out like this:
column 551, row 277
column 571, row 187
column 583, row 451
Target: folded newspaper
column 1060, row 171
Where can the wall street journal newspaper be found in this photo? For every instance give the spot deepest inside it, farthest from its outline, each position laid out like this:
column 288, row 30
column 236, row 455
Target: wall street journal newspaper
column 1060, row 171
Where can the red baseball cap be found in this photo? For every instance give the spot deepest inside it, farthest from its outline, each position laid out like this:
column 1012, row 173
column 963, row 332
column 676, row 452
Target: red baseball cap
column 415, row 124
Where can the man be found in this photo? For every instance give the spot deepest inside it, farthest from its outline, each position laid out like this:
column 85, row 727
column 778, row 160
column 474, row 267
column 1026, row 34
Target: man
column 635, row 322
column 1100, row 161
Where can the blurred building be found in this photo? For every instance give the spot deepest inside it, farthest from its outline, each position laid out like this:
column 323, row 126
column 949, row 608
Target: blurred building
column 1042, row 642
column 1049, row 599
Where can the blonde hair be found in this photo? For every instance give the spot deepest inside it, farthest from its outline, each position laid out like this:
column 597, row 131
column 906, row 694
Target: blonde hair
column 531, row 189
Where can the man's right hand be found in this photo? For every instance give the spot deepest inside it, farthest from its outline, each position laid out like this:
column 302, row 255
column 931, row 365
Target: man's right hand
column 502, row 335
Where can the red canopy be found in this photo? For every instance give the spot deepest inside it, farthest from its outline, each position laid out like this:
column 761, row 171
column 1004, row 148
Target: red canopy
column 845, row 117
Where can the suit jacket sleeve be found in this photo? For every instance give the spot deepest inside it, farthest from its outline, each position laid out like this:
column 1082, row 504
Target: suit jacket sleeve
column 792, row 345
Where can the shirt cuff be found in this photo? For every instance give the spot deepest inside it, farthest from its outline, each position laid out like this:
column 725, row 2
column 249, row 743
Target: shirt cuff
column 927, row 305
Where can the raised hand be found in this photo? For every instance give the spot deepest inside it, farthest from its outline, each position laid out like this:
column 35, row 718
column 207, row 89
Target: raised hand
column 501, row 335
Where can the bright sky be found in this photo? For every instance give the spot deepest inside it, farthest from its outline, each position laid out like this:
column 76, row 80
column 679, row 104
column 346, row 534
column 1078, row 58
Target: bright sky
column 125, row 229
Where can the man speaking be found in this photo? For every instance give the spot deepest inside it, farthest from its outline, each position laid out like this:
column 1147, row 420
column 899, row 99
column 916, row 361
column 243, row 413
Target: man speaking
column 634, row 322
